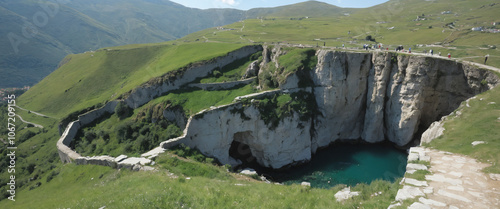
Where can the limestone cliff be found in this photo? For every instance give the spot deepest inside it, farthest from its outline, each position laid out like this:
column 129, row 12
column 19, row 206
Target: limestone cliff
column 358, row 96
column 381, row 96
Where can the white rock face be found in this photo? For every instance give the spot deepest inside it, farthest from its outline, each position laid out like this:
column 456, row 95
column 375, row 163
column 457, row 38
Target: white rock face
column 372, row 97
column 214, row 132
column 340, row 88
column 383, row 96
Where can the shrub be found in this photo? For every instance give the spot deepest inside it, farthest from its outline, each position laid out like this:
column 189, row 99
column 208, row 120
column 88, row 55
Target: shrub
column 217, row 73
column 370, row 38
column 26, row 136
column 122, row 110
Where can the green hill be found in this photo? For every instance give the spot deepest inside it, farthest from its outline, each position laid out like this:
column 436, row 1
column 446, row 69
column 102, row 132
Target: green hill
column 90, row 79
column 390, row 24
column 96, row 77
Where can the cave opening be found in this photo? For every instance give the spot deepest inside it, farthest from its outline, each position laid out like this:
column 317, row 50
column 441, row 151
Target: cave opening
column 240, row 149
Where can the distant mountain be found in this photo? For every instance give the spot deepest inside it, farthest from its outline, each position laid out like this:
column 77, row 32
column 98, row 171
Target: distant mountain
column 38, row 34
column 308, row 8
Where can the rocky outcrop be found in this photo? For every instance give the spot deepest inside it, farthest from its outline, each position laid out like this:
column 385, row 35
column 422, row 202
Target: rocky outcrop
column 381, row 96
column 359, row 96
column 340, row 86
column 252, row 70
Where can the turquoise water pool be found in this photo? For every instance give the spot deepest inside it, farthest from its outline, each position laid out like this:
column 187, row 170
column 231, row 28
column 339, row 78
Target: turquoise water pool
column 346, row 164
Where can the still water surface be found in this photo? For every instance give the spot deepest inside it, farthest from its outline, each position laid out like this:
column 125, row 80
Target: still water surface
column 346, row 164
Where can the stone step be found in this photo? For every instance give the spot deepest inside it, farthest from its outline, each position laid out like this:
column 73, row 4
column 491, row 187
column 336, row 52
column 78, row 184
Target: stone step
column 445, row 193
column 431, row 202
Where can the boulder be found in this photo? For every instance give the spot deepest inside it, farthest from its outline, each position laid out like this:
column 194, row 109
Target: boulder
column 345, row 194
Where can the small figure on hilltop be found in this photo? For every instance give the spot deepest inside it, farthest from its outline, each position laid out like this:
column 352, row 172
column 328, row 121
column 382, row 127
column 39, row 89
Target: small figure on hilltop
column 486, row 58
column 343, row 46
column 409, row 50
column 432, row 52
column 449, row 55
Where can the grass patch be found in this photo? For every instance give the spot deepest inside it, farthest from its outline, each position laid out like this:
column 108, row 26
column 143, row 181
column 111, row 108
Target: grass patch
column 418, row 175
column 193, row 154
column 191, row 168
column 273, row 110
column 426, row 163
column 97, row 186
column 195, row 100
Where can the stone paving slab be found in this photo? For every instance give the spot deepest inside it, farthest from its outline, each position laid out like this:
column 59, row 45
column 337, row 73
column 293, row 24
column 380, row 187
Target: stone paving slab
column 452, row 195
column 455, row 181
column 408, row 192
column 415, row 182
column 418, row 205
column 431, row 202
column 412, row 166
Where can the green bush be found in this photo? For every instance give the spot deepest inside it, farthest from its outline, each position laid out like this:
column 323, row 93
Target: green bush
column 26, row 136
column 122, row 110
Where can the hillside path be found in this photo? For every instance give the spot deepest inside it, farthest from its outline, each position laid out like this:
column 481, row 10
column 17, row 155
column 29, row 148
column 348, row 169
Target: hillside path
column 39, row 114
column 455, row 181
column 458, row 181
column 461, row 59
column 27, row 122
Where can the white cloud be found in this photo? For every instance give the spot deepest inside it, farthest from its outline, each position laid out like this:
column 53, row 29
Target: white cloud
column 229, row 2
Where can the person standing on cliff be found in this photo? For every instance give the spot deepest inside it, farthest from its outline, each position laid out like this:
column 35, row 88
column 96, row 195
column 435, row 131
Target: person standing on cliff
column 449, row 55
column 486, row 58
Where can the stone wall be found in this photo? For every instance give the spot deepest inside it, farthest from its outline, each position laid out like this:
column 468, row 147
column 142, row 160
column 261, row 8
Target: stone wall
column 138, row 97
column 66, row 154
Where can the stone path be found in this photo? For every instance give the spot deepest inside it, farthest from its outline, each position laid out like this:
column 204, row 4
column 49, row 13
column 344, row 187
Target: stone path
column 39, row 114
column 455, row 181
column 27, row 122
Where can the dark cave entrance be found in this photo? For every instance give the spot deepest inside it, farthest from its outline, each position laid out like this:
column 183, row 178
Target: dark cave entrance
column 241, row 150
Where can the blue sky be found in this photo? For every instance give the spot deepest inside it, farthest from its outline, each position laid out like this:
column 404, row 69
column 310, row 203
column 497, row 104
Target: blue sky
column 249, row 4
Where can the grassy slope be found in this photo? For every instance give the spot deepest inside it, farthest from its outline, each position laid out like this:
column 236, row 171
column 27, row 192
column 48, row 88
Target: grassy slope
column 333, row 30
column 97, row 186
column 479, row 122
column 95, row 77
